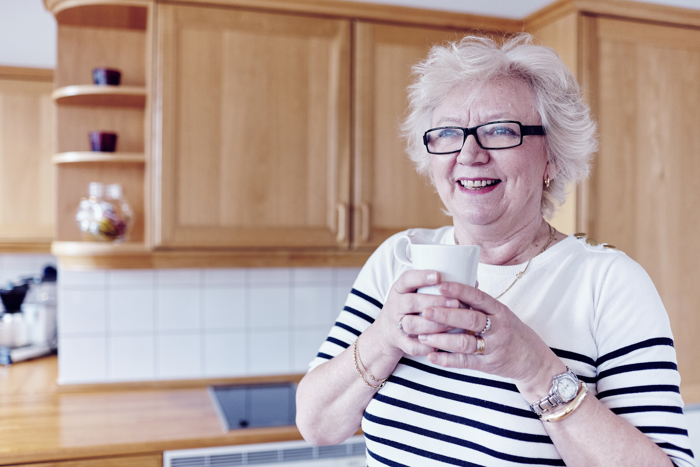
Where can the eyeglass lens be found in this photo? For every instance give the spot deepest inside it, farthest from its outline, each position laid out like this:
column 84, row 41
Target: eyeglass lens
column 497, row 135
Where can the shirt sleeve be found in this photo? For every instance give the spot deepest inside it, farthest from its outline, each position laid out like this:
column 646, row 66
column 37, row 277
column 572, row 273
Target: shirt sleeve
column 637, row 373
column 363, row 304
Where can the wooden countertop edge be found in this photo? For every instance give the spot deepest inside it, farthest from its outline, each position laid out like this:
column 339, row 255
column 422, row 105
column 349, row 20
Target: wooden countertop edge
column 234, row 437
column 199, row 383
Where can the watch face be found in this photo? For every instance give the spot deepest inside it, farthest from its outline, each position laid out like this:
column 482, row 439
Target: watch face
column 567, row 389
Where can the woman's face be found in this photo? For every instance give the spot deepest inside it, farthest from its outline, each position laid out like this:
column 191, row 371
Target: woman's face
column 514, row 177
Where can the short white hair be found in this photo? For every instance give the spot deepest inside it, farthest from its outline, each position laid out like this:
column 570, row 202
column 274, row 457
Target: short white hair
column 571, row 138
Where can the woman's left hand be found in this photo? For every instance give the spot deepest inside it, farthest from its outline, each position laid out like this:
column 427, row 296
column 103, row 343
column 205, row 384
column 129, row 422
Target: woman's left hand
column 511, row 348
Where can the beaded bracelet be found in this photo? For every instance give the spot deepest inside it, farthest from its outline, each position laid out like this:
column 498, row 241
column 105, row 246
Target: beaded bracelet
column 355, row 358
column 573, row 405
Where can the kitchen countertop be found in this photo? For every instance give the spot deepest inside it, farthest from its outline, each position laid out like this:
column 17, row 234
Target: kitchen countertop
column 41, row 421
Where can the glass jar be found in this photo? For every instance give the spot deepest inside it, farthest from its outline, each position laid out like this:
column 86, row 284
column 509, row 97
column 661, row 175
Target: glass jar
column 105, row 216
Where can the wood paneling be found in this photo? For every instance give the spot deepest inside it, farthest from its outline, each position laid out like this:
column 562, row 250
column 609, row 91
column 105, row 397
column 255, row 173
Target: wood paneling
column 255, row 143
column 389, row 196
column 643, row 196
column 83, row 48
column 562, row 36
column 27, row 187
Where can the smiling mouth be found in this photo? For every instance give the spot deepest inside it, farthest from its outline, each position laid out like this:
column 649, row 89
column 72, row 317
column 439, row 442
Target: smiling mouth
column 478, row 184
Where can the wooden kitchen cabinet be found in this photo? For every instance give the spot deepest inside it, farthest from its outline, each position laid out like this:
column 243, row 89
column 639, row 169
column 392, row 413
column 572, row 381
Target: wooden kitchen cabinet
column 27, row 188
column 255, row 141
column 251, row 134
column 640, row 76
column 388, row 194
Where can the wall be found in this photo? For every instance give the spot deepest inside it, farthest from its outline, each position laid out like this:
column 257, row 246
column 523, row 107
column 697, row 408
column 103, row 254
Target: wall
column 144, row 325
column 15, row 266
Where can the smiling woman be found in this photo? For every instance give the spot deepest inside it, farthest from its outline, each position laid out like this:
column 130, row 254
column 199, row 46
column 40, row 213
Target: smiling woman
column 572, row 363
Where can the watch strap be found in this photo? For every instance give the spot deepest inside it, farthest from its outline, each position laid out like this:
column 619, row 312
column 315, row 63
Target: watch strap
column 552, row 400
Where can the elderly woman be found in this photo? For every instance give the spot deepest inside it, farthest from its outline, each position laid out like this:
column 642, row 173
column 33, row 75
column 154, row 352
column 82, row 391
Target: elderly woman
column 568, row 356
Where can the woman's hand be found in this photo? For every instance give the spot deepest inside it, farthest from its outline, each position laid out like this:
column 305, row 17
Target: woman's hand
column 405, row 306
column 512, row 349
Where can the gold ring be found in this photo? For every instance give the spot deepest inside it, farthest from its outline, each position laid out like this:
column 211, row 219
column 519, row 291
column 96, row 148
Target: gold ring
column 480, row 345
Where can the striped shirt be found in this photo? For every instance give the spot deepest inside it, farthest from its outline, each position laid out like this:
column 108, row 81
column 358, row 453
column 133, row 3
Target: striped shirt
column 595, row 308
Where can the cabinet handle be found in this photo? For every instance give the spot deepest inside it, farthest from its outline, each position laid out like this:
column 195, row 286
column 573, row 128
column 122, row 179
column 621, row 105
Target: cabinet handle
column 342, row 209
column 365, row 222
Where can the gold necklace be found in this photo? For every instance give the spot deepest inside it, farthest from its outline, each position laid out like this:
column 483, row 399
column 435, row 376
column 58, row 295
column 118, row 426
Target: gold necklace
column 520, row 274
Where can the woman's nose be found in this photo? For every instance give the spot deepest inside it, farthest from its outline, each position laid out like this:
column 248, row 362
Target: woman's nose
column 472, row 153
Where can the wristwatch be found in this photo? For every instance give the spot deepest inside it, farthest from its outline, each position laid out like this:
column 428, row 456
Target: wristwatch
column 564, row 389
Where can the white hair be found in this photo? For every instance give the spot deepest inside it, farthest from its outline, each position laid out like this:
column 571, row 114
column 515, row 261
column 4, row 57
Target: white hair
column 571, row 132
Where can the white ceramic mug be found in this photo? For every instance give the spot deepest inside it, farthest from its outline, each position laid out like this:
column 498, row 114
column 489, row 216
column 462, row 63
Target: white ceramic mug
column 455, row 263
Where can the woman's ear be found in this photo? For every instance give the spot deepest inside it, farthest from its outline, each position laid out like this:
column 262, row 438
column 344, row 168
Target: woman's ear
column 550, row 172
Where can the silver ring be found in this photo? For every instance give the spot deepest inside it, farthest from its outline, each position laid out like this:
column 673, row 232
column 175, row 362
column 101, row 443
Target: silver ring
column 487, row 327
column 480, row 345
column 400, row 326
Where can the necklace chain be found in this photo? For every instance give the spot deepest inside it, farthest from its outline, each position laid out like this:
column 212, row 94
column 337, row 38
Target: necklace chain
column 520, row 274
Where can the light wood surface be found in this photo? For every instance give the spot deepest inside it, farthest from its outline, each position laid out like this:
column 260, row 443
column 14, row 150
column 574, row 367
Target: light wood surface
column 560, row 33
column 154, row 460
column 643, row 195
column 82, row 48
column 27, row 186
column 112, row 35
column 107, row 96
column 388, row 194
column 92, row 156
column 89, row 256
column 120, row 427
column 255, row 142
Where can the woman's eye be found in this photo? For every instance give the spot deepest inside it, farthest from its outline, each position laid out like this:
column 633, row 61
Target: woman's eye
column 501, row 131
column 450, row 133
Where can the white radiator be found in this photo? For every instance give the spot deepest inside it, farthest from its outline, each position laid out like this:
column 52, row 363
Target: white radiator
column 351, row 453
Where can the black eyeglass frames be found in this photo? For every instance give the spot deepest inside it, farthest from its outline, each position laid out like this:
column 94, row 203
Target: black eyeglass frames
column 503, row 134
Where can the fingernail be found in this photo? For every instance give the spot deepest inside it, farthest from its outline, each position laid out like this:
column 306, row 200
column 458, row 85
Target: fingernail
column 423, row 338
column 452, row 303
column 432, row 277
column 432, row 357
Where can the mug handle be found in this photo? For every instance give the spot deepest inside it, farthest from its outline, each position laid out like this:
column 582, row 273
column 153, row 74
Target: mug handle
column 401, row 248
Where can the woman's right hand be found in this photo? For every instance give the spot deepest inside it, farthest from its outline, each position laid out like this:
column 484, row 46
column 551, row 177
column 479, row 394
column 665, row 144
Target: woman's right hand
column 404, row 305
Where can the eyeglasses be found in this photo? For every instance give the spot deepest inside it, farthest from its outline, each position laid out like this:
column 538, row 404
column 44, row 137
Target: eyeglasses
column 493, row 135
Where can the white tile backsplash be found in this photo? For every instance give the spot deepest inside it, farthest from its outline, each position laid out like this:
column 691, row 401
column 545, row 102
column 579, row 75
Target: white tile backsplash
column 82, row 312
column 270, row 307
column 269, row 276
column 131, row 358
column 179, row 356
column 270, row 353
column 144, row 325
column 131, row 309
column 225, row 308
column 225, row 354
column 178, row 308
column 82, row 360
column 310, row 305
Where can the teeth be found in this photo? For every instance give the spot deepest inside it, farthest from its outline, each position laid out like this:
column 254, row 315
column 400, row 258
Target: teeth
column 476, row 183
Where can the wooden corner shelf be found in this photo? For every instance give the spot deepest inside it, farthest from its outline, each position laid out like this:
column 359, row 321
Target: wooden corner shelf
column 109, row 96
column 92, row 156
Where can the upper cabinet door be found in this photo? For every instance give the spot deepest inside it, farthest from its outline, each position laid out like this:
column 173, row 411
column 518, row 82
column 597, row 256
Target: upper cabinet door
column 253, row 146
column 27, row 186
column 389, row 196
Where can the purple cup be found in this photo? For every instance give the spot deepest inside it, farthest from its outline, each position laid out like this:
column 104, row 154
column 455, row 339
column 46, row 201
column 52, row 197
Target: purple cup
column 103, row 141
column 106, row 76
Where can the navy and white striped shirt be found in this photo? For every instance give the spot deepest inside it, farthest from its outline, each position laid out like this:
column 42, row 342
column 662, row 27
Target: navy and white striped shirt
column 596, row 309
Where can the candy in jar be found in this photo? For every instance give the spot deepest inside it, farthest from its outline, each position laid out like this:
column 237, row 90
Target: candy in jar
column 105, row 216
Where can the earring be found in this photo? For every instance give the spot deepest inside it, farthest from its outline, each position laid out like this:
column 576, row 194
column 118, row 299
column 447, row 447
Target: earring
column 546, row 183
